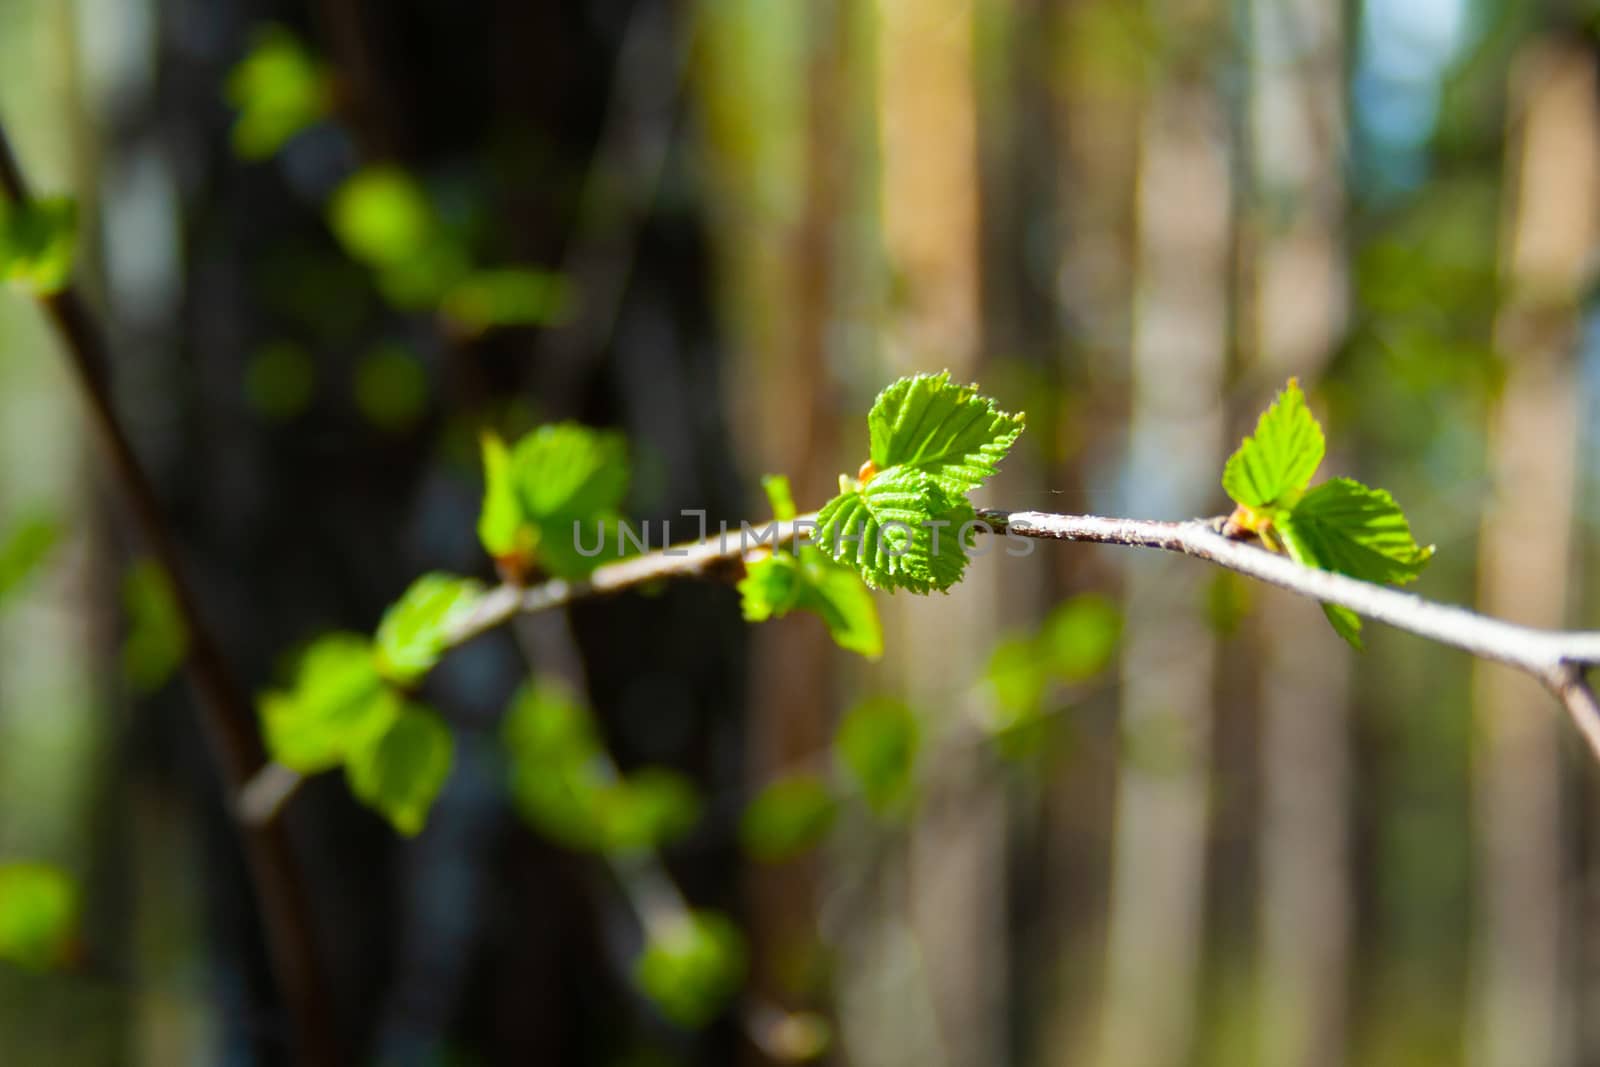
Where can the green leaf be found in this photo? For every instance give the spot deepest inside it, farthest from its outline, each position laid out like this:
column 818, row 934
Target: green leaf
column 788, row 817
column 1344, row 526
column 567, row 472
column 776, row 486
column 278, row 89
column 416, row 629
column 877, row 745
column 391, row 388
column 38, row 241
column 949, row 431
column 1270, row 469
column 784, row 581
column 339, row 705
column 1081, row 636
column 693, row 965
column 771, row 587
column 645, row 810
column 401, row 773
column 901, row 530
column 844, row 603
column 26, row 547
column 157, row 639
column 500, row 525
column 39, row 909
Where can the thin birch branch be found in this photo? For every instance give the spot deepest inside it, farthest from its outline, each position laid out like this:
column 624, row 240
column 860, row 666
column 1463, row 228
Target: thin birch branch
column 1556, row 658
column 226, row 714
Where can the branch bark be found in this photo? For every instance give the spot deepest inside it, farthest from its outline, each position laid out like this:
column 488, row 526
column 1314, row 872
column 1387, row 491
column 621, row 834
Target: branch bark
column 226, row 715
column 1557, row 658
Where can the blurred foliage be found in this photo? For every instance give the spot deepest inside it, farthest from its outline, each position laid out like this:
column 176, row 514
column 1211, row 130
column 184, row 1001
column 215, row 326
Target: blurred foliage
column 877, row 745
column 402, row 771
column 24, row 549
column 337, row 705
column 278, row 90
column 157, row 639
column 391, row 388
column 565, row 786
column 693, row 965
column 280, row 380
column 788, row 817
column 1076, row 642
column 39, row 908
column 38, row 241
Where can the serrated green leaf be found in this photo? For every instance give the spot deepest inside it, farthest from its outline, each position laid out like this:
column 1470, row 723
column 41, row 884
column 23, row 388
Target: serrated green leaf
column 278, row 89
column 788, row 817
column 415, row 631
column 693, row 965
column 1345, row 526
column 901, row 530
column 1272, row 467
column 877, row 744
column 565, row 471
column 402, row 771
column 38, row 242
column 338, row 705
column 949, row 431
column 776, row 486
column 157, row 640
column 39, row 911
column 26, row 547
column 501, row 527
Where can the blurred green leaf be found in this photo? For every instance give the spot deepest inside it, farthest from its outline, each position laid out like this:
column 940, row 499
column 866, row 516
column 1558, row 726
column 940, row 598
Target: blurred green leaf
column 776, row 486
column 401, row 773
column 338, row 705
column 391, row 388
column 1081, row 636
column 950, row 432
column 39, row 909
column 486, row 299
column 24, row 550
column 383, row 217
column 1344, row 526
column 877, row 745
column 280, row 380
column 415, row 630
column 1272, row 468
column 1228, row 600
column 38, row 241
column 1018, row 677
column 788, row 817
column 693, row 967
column 500, row 524
column 157, row 639
column 564, row 786
column 278, row 89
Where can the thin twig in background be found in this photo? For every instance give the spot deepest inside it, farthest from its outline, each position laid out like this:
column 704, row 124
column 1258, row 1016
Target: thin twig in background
column 226, row 715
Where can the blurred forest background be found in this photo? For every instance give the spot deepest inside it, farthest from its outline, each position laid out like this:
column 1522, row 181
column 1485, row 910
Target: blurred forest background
column 1160, row 817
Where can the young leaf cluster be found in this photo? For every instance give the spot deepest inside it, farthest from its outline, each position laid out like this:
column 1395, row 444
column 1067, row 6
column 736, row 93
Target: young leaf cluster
column 1340, row 525
column 350, row 705
column 903, row 523
column 803, row 578
column 560, row 483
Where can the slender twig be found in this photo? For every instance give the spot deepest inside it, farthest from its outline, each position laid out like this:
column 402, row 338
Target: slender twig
column 225, row 714
column 1556, row 658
